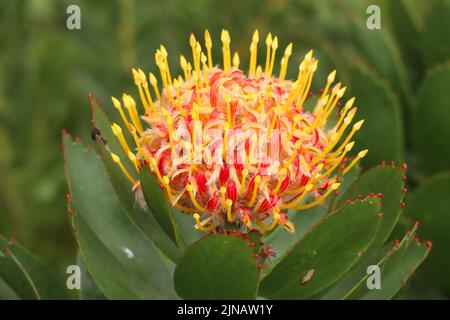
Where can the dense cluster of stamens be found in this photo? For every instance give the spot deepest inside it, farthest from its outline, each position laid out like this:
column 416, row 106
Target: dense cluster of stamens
column 235, row 148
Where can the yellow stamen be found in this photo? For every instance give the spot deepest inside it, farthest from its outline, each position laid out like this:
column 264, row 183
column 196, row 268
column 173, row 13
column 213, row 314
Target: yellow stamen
column 225, row 37
column 132, row 158
column 347, row 149
column 282, row 176
column 153, row 164
column 225, row 140
column 169, row 127
column 272, row 123
column 138, row 82
column 161, row 66
column 296, row 87
column 223, row 199
column 333, row 140
column 330, row 80
column 154, row 84
column 176, row 85
column 117, row 131
column 196, row 79
column 183, row 64
column 285, row 61
column 330, row 108
column 236, row 60
column 360, row 155
column 268, row 45
column 229, row 204
column 253, row 53
column 208, row 45
column 116, row 159
column 189, row 69
column 198, row 54
column 255, row 190
column 355, row 128
column 294, row 154
column 132, row 130
column 334, row 186
column 190, row 190
column 243, row 179
column 144, row 84
column 258, row 70
column 318, row 169
column 305, row 90
column 344, row 111
column 164, row 56
column 294, row 203
column 260, row 224
column 193, row 43
column 205, row 68
column 297, row 120
column 130, row 105
column 167, row 186
column 272, row 60
column 247, row 222
column 200, row 225
column 118, row 106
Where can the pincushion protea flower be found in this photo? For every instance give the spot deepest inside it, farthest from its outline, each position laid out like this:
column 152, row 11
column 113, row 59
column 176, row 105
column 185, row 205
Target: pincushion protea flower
column 234, row 148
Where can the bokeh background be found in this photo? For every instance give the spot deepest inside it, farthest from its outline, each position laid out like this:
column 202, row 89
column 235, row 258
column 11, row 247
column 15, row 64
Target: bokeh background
column 399, row 74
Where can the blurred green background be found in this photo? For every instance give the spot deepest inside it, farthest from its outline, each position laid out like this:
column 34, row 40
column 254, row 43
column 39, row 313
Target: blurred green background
column 47, row 72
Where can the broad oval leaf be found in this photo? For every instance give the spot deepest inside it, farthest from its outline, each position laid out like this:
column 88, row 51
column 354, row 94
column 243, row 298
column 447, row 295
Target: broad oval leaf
column 219, row 266
column 382, row 132
column 430, row 204
column 325, row 253
column 430, row 120
column 433, row 36
column 400, row 265
column 388, row 181
column 123, row 263
column 23, row 276
column 396, row 263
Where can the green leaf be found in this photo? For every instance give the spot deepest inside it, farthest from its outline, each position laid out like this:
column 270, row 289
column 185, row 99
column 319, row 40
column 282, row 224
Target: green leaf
column 382, row 132
column 123, row 263
column 388, row 181
column 396, row 262
column 281, row 241
column 346, row 182
column 430, row 120
column 88, row 290
column 397, row 266
column 143, row 219
column 430, row 204
column 219, row 266
column 23, row 276
column 325, row 253
column 434, row 35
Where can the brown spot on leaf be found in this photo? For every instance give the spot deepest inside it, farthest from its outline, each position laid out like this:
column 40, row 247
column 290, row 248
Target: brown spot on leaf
column 308, row 276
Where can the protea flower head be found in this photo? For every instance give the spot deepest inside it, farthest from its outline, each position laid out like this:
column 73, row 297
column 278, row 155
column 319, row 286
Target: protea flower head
column 234, row 147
